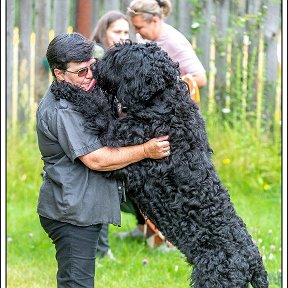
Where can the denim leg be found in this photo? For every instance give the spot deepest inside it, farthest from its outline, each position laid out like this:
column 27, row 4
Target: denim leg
column 75, row 252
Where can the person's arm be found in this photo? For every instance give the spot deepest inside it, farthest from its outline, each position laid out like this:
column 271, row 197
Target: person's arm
column 108, row 158
column 201, row 79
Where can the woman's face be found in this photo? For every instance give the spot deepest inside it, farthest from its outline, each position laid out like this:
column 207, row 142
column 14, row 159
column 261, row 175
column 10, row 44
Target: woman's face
column 79, row 74
column 117, row 32
column 147, row 30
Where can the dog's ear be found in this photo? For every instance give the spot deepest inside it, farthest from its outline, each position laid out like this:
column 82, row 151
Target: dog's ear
column 162, row 73
column 152, row 83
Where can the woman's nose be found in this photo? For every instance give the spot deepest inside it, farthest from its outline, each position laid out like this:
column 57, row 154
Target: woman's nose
column 89, row 73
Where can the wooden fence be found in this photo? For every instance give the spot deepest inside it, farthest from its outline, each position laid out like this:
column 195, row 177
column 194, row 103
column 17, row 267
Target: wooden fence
column 237, row 42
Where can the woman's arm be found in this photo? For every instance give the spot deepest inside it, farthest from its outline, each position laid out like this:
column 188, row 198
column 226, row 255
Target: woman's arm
column 110, row 158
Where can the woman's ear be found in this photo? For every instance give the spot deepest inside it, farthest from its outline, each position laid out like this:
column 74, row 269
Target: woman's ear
column 59, row 74
column 155, row 19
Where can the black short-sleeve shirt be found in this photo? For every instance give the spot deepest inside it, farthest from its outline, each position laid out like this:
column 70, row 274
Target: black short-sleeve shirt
column 71, row 192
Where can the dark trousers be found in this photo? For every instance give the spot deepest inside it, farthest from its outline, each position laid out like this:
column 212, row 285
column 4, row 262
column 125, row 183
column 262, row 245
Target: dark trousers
column 75, row 252
column 103, row 242
column 129, row 206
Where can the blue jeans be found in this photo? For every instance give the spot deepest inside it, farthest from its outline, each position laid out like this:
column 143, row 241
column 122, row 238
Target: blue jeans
column 75, row 252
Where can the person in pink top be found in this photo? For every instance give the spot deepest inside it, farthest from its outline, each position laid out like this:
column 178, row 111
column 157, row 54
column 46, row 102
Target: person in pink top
column 147, row 17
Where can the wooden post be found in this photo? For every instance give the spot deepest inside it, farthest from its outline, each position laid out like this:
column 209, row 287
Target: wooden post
column 25, row 29
column 228, row 76
column 212, row 76
column 185, row 18
column 15, row 84
column 260, row 83
column 32, row 102
column 245, row 49
column 222, row 9
column 42, row 26
column 278, row 104
column 83, row 17
column 61, row 16
column 9, row 60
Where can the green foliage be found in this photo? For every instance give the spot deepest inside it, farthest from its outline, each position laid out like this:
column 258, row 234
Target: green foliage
column 249, row 166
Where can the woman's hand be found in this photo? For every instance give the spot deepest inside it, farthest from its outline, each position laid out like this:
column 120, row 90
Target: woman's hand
column 157, row 148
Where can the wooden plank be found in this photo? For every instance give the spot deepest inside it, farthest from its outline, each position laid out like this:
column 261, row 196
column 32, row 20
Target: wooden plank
column 271, row 33
column 96, row 14
column 42, row 27
column 185, row 21
column 111, row 5
column 15, row 83
column 9, row 26
column 222, row 10
column 260, row 84
column 25, row 30
column 83, row 17
column 204, row 37
column 212, row 76
column 61, row 16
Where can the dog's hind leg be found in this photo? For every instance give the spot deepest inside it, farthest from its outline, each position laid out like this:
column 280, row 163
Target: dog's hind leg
column 259, row 278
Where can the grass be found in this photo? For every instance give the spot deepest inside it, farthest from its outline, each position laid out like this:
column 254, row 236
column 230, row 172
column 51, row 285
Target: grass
column 249, row 166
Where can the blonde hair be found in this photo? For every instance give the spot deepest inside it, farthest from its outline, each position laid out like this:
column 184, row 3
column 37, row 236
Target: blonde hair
column 150, row 8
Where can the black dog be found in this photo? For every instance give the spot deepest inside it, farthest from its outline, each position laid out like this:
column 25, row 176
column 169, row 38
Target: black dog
column 181, row 194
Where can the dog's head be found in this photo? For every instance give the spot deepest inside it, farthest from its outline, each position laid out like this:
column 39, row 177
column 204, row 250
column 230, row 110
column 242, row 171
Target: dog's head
column 135, row 73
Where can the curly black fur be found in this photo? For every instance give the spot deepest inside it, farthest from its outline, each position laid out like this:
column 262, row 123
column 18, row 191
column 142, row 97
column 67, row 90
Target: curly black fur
column 181, row 194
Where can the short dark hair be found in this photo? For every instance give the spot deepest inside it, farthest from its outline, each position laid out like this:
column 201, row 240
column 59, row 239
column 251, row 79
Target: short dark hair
column 65, row 48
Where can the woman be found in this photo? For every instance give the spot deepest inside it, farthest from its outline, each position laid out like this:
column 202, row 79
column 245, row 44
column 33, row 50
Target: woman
column 75, row 200
column 112, row 27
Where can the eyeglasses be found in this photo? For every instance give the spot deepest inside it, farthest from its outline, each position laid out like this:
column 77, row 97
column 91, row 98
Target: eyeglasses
column 83, row 71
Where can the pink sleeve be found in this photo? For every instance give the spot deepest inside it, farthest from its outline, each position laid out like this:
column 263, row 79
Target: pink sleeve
column 180, row 50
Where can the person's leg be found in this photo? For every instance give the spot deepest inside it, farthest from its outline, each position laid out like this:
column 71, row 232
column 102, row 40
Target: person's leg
column 129, row 206
column 75, row 252
column 139, row 216
column 103, row 247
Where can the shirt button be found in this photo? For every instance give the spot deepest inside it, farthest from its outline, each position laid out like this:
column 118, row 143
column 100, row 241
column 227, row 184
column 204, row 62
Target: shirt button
column 119, row 187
